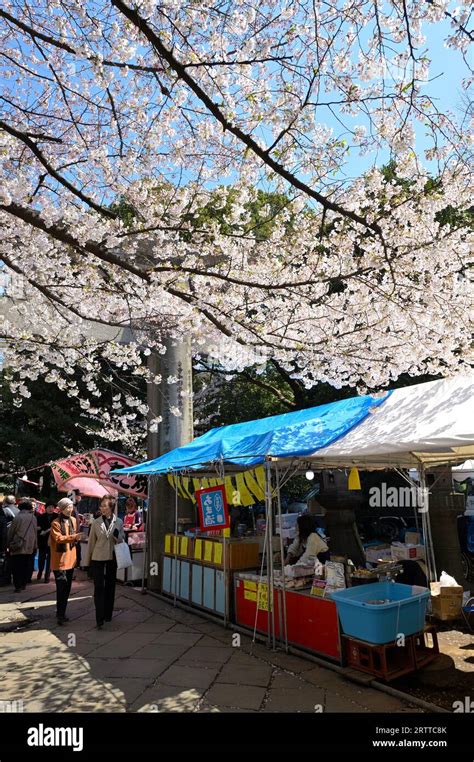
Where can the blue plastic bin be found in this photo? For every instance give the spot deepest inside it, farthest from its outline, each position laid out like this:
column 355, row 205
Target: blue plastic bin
column 381, row 622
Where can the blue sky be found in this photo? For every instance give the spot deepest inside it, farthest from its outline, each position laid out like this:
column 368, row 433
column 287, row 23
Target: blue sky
column 447, row 70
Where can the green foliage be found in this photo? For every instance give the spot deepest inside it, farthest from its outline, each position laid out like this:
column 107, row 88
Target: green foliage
column 125, row 211
column 450, row 215
column 48, row 425
column 262, row 213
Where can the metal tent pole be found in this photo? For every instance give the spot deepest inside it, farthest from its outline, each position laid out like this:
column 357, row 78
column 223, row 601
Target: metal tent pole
column 259, row 586
column 175, row 539
column 284, row 628
column 270, row 580
column 146, row 552
column 225, row 559
column 427, row 527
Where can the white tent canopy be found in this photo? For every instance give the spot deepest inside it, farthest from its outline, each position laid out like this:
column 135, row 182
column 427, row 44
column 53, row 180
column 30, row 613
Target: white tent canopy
column 426, row 424
column 464, row 471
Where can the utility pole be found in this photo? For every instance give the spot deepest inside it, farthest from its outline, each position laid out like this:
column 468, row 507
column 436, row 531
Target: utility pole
column 173, row 432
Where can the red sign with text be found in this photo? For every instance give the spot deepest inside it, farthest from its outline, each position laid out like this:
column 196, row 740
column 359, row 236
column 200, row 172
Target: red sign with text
column 212, row 507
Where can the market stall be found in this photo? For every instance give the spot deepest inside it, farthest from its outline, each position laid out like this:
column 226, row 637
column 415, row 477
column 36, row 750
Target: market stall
column 201, row 570
column 89, row 475
column 425, row 424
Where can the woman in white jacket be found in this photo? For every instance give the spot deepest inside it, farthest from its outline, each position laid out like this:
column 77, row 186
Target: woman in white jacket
column 105, row 532
column 308, row 545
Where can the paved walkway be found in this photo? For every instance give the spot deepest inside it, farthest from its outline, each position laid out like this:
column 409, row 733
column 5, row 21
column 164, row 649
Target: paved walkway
column 154, row 657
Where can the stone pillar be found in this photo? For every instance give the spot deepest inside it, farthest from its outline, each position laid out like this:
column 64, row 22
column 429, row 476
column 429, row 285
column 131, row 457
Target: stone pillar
column 445, row 507
column 341, row 529
column 173, row 432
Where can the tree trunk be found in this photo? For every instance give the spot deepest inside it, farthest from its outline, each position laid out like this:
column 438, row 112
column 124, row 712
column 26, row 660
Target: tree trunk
column 172, row 432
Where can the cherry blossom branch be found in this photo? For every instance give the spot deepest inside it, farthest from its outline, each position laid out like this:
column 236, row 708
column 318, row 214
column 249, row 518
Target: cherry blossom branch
column 244, row 138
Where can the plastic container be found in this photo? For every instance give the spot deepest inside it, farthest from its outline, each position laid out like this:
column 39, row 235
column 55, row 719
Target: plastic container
column 404, row 613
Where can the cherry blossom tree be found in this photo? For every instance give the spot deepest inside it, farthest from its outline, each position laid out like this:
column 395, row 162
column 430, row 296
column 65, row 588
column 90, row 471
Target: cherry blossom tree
column 165, row 109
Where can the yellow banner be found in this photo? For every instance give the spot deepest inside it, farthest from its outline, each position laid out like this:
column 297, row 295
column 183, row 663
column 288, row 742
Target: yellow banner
column 208, row 551
column 217, row 552
column 250, row 595
column 244, row 496
column 246, row 488
column 253, row 485
column 198, row 550
column 262, row 598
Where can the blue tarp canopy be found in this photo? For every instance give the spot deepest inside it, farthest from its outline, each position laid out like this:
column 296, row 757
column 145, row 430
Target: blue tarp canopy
column 247, row 444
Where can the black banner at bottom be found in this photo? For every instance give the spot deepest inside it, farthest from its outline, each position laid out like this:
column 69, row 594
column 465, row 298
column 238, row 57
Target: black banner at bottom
column 375, row 736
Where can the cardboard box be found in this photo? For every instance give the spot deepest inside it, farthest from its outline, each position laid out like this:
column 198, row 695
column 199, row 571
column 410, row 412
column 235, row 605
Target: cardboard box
column 446, row 602
column 407, row 552
column 378, row 552
column 412, row 538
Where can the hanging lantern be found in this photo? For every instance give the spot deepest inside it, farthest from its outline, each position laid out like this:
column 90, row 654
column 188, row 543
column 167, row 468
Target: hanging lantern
column 309, row 475
column 354, row 479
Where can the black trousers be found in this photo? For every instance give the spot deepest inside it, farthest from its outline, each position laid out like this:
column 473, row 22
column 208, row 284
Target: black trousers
column 104, row 574
column 44, row 559
column 63, row 579
column 21, row 567
column 31, row 566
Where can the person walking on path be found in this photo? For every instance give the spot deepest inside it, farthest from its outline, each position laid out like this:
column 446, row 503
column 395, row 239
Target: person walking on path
column 22, row 544
column 3, row 548
column 63, row 539
column 105, row 532
column 44, row 551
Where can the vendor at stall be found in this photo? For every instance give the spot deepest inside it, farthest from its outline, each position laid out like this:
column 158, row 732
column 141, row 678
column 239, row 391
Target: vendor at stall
column 133, row 517
column 308, row 545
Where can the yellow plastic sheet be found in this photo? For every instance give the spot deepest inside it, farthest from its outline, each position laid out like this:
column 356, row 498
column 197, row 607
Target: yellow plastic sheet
column 217, row 552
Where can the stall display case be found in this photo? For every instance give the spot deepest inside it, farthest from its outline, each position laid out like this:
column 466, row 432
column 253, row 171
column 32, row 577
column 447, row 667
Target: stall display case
column 200, row 570
column 200, row 586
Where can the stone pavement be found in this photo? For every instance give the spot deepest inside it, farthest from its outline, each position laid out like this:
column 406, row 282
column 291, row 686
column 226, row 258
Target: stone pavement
column 155, row 657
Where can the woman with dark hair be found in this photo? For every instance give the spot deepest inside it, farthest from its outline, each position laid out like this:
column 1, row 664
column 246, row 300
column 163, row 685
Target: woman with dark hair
column 308, row 545
column 44, row 551
column 132, row 519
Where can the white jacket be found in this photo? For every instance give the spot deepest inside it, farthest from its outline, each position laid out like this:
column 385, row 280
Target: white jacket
column 307, row 550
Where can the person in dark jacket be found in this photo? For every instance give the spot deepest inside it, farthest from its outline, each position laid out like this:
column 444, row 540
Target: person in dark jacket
column 44, row 551
column 3, row 531
column 5, row 576
column 22, row 544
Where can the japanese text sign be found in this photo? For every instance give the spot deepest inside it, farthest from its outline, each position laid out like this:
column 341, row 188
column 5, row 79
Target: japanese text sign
column 212, row 508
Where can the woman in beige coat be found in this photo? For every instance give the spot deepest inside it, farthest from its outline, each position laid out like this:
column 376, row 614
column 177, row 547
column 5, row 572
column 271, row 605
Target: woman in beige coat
column 105, row 532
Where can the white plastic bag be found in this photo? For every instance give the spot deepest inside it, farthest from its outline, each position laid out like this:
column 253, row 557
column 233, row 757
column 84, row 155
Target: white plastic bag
column 123, row 556
column 447, row 581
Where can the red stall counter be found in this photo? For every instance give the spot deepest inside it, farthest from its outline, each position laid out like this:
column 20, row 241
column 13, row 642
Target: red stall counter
column 312, row 622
